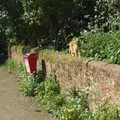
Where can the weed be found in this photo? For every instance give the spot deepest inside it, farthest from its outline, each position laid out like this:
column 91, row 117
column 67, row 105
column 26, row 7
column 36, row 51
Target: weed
column 12, row 66
column 49, row 95
column 29, row 85
column 108, row 112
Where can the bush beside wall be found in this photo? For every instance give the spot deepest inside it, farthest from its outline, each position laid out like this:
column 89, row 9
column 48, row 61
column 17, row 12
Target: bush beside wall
column 100, row 79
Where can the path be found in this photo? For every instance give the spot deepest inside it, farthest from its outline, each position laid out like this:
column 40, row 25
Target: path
column 13, row 105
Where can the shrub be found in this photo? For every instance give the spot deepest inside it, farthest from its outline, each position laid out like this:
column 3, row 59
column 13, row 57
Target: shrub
column 101, row 46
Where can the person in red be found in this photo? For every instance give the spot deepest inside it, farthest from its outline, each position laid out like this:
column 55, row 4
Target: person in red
column 30, row 60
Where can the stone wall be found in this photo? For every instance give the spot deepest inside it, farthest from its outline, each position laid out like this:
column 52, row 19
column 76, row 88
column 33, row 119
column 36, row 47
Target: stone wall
column 16, row 54
column 100, row 79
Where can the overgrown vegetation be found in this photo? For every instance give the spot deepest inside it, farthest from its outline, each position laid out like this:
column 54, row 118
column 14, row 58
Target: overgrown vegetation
column 101, row 46
column 72, row 104
column 12, row 66
column 52, row 24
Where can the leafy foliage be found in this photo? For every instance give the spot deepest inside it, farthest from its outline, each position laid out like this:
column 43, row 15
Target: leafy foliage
column 29, row 85
column 101, row 46
column 108, row 112
column 49, row 95
column 76, row 106
column 70, row 105
column 53, row 22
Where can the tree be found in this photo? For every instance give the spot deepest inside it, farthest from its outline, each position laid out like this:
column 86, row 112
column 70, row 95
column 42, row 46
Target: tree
column 54, row 22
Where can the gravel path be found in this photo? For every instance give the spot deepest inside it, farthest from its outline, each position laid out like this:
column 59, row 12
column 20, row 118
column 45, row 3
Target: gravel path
column 13, row 105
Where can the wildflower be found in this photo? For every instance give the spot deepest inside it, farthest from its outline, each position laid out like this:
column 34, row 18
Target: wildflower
column 70, row 110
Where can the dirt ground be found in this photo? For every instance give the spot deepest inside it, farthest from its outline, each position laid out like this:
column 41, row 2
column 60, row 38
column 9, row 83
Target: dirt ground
column 15, row 106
